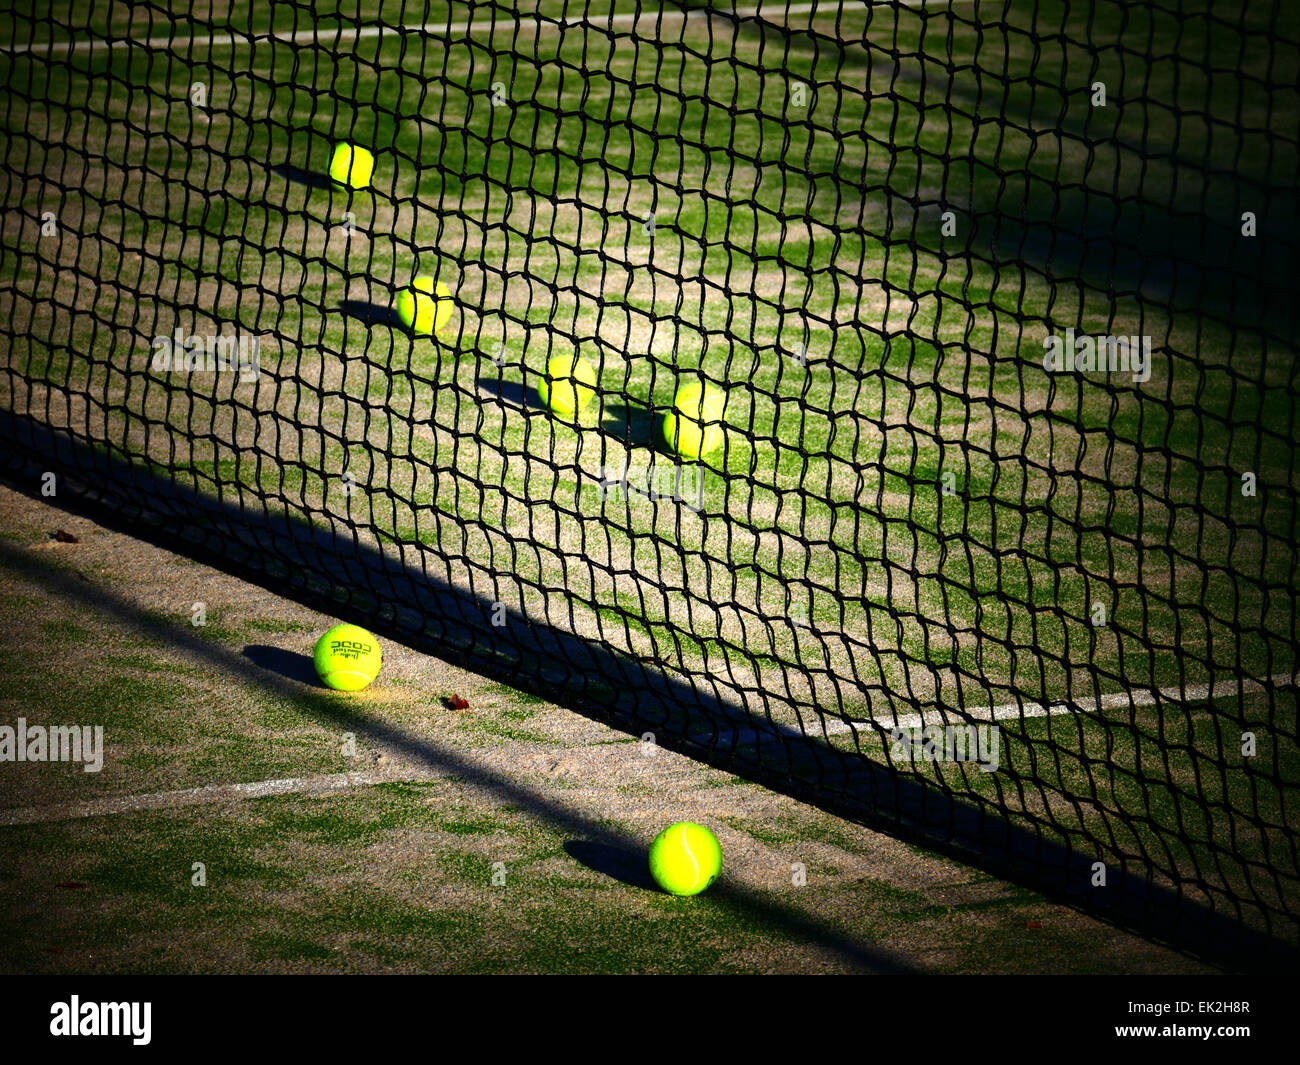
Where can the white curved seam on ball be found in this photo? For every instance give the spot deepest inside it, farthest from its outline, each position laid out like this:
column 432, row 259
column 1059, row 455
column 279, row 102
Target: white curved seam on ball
column 687, row 848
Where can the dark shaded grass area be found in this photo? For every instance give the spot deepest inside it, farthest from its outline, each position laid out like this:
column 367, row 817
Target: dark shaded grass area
column 1057, row 224
column 334, row 573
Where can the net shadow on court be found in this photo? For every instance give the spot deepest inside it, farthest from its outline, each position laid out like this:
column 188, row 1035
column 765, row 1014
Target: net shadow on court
column 424, row 613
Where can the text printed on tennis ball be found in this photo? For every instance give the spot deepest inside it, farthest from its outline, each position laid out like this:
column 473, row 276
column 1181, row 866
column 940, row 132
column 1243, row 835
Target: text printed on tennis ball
column 347, row 658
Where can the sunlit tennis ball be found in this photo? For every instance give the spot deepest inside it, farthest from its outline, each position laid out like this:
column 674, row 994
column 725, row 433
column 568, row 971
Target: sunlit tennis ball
column 568, row 385
column 693, row 427
column 347, row 658
column 425, row 306
column 685, row 858
column 352, row 166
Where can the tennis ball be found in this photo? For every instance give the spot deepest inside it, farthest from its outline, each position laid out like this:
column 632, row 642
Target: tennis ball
column 352, row 166
column 348, row 658
column 694, row 426
column 685, row 858
column 569, row 384
column 425, row 306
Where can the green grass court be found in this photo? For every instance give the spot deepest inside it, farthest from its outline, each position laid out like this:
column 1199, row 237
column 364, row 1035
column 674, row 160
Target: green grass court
column 396, row 876
column 797, row 261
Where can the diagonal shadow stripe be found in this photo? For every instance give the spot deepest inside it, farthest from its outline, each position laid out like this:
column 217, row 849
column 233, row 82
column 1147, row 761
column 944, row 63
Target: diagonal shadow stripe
column 594, row 835
column 327, row 570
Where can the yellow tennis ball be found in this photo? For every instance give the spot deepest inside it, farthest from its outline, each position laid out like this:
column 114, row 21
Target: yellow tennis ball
column 352, row 166
column 569, row 384
column 425, row 306
column 685, row 858
column 348, row 658
column 693, row 427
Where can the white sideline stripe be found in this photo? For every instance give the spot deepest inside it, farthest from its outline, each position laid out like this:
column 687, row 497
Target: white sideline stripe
column 336, row 782
column 434, row 29
column 1191, row 693
column 165, row 800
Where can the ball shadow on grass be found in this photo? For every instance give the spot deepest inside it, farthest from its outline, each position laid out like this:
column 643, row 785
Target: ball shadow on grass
column 513, row 393
column 621, row 863
column 289, row 664
column 311, row 178
column 373, row 314
column 634, row 425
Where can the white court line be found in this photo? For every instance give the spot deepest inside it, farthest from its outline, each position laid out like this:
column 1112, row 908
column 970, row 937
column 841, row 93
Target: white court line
column 167, row 800
column 1192, row 693
column 338, row 782
column 433, row 29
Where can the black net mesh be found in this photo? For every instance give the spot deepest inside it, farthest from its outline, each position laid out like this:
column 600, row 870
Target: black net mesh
column 992, row 539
